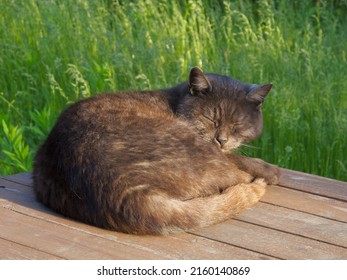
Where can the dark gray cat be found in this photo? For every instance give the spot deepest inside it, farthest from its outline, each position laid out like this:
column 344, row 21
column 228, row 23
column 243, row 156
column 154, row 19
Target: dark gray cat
column 158, row 161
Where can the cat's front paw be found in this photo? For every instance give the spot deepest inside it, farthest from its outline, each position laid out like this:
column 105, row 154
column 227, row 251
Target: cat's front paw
column 270, row 173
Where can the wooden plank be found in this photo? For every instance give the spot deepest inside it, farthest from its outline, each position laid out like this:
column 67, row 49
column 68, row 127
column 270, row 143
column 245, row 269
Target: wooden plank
column 179, row 246
column 306, row 230
column 298, row 223
column 275, row 195
column 272, row 242
column 21, row 178
column 63, row 241
column 314, row 184
column 13, row 251
column 20, row 199
column 305, row 202
column 290, row 179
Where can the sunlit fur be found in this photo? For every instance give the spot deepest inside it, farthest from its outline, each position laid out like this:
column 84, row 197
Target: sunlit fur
column 158, row 161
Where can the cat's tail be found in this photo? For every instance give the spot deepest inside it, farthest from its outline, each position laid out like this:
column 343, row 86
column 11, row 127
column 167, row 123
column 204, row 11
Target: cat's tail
column 157, row 214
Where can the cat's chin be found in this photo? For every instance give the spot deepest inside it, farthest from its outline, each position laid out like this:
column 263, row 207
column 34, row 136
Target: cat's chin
column 226, row 151
column 232, row 146
column 228, row 148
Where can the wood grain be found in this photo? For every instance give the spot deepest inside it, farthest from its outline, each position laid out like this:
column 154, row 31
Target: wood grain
column 272, row 242
column 305, row 217
column 297, row 223
column 10, row 250
column 305, row 202
column 314, row 184
column 20, row 201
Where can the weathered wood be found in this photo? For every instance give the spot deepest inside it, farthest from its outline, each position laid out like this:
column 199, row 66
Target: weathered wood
column 63, row 241
column 314, row 184
column 21, row 178
column 297, row 223
column 271, row 242
column 20, row 200
column 87, row 242
column 13, row 251
column 303, row 218
column 296, row 200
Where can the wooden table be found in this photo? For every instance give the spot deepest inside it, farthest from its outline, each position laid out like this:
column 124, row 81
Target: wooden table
column 304, row 217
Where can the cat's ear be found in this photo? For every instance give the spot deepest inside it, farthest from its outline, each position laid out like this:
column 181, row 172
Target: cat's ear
column 198, row 82
column 258, row 94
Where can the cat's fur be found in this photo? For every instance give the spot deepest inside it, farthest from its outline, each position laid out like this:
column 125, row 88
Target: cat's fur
column 158, row 161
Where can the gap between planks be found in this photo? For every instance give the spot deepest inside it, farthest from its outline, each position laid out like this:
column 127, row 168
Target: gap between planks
column 206, row 236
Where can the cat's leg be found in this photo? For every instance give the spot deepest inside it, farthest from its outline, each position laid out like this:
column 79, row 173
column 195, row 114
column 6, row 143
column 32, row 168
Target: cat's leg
column 257, row 168
column 146, row 212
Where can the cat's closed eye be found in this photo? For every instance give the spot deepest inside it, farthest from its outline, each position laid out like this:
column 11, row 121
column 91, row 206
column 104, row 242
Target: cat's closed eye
column 209, row 117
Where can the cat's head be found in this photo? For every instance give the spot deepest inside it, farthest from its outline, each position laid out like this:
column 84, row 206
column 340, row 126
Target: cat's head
column 225, row 111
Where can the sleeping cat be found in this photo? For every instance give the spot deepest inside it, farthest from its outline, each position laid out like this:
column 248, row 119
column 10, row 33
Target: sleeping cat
column 156, row 162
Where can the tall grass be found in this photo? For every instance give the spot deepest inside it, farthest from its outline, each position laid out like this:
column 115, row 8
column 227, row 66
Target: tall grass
column 53, row 53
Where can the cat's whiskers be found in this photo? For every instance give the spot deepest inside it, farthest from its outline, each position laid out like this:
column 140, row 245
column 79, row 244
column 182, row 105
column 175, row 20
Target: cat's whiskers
column 250, row 146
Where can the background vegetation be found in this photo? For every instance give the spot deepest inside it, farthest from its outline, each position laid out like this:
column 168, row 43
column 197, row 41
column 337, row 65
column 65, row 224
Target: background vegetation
column 55, row 52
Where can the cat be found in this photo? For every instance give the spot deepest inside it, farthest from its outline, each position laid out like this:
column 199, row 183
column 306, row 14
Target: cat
column 156, row 162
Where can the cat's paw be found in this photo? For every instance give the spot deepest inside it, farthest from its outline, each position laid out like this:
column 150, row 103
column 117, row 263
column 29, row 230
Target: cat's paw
column 269, row 172
column 272, row 174
column 247, row 193
column 260, row 181
column 256, row 190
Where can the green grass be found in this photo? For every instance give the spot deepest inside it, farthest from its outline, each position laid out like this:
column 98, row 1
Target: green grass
column 55, row 52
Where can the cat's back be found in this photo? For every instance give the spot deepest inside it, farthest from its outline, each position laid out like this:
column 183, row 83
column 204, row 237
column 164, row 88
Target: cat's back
column 87, row 130
column 107, row 108
column 90, row 120
column 101, row 139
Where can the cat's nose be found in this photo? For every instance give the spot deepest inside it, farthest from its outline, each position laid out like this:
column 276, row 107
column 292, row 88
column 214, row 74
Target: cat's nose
column 222, row 140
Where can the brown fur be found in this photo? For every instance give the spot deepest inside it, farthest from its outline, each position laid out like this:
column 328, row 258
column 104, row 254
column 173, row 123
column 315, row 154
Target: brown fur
column 159, row 161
